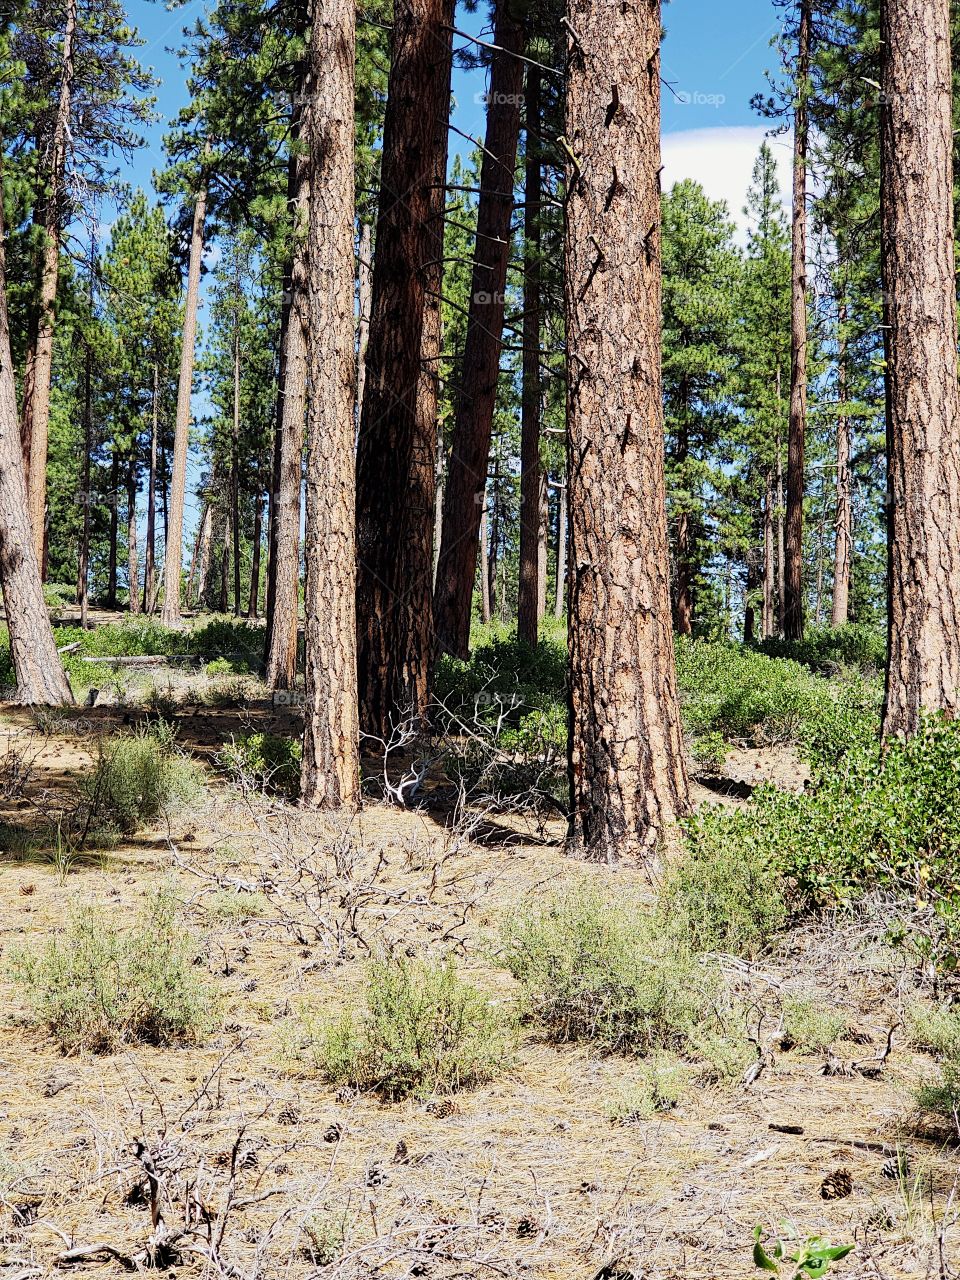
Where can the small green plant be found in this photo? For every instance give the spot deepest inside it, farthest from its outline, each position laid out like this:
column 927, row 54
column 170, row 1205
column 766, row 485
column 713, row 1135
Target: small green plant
column 326, row 1235
column 601, row 969
column 934, row 1028
column 97, row 988
column 810, row 1258
column 138, row 779
column 810, row 1026
column 266, row 761
column 163, row 702
column 235, row 906
column 659, row 1089
column 423, row 1031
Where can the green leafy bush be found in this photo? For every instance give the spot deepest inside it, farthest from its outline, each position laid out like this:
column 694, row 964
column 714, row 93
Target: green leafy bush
column 138, row 779
column 98, row 988
column 602, row 969
column 423, row 1031
column 265, row 760
column 810, row 1025
column 828, row 648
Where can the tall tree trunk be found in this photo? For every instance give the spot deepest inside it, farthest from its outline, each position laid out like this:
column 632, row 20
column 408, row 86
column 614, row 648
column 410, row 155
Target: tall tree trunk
column 396, row 457
column 284, row 607
column 768, row 556
column 628, row 777
column 35, row 426
column 364, row 294
column 150, row 550
column 532, row 569
column 683, row 614
column 235, row 473
column 749, row 608
column 793, row 579
column 173, row 549
column 780, row 525
column 559, row 599
column 83, row 562
column 543, row 534
column 486, row 612
column 843, row 524
column 114, row 497
column 133, row 568
column 195, row 585
column 253, row 600
column 916, row 203
column 330, row 775
column 473, row 421
column 225, row 565
column 36, row 664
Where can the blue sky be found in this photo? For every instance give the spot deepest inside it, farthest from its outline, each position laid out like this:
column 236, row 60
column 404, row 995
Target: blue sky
column 714, row 58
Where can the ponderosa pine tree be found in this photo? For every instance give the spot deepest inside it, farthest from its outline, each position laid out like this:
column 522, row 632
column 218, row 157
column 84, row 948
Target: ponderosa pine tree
column 470, row 447
column 628, row 776
column 330, row 774
column 923, row 668
column 396, row 449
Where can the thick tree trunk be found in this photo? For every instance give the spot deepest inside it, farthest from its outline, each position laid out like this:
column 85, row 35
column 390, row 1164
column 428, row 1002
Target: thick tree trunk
column 35, row 426
column 843, row 525
column 133, row 568
column 560, row 597
column 396, row 456
column 364, row 294
column 37, row 667
column 173, row 549
column 330, row 775
column 473, row 422
column 793, row 576
column 532, row 569
column 150, row 549
column 283, row 610
column 628, row 776
column 923, row 424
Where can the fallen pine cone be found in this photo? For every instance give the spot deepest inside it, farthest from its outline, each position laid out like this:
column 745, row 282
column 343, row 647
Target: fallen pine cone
column 441, row 1108
column 289, row 1114
column 837, row 1185
column 527, row 1227
column 27, row 889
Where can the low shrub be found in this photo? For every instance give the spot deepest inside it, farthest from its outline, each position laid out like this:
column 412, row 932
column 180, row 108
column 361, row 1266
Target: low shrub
column 97, row 988
column 423, row 1031
column 826, row 649
column 266, row 761
column 602, row 969
column 811, row 1026
column 935, row 1029
column 138, row 779
column 659, row 1088
column 236, row 906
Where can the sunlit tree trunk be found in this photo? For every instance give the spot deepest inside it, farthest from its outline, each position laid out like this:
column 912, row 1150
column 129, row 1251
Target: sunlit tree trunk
column 150, row 551
column 843, row 523
column 628, row 778
column 133, row 568
column 529, row 609
column 923, row 422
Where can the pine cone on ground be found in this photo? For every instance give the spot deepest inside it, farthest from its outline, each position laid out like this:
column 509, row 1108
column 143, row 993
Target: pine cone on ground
column 837, row 1185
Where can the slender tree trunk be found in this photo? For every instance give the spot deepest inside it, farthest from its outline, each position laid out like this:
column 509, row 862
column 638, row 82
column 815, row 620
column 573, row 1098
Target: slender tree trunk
column 225, row 566
column 543, row 534
column 283, row 611
column 114, row 528
column 195, row 586
column 916, row 203
column 749, row 608
column 149, row 554
column 493, row 547
column 275, row 472
column 768, row 558
column 793, row 581
column 83, row 565
column 133, row 568
column 843, row 525
column 173, row 549
column 35, row 426
column 683, row 614
column 559, row 600
column 330, row 776
column 473, row 422
column 235, row 474
column 628, row 777
column 396, row 456
column 364, row 294
column 253, row 602
column 780, row 532
column 529, row 597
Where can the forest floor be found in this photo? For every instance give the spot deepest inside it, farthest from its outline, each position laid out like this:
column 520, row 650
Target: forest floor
column 525, row 1176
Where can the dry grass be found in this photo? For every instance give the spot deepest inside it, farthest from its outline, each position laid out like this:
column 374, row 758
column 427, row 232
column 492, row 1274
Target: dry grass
column 262, row 1169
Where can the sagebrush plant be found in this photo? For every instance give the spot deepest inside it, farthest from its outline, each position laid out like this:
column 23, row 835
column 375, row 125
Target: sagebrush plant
column 810, row 1025
column 422, row 1030
column 658, row 1088
column 139, row 778
column 934, row 1028
column 97, row 987
column 599, row 967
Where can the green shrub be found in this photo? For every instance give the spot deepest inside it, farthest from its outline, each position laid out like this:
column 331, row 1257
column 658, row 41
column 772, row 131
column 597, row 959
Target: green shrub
column 265, row 760
column 138, row 779
column 829, row 648
column 503, row 675
column 934, row 1029
column 810, row 1025
column 603, row 969
column 725, row 888
column 423, row 1031
column 236, row 906
column 98, row 988
column 659, row 1088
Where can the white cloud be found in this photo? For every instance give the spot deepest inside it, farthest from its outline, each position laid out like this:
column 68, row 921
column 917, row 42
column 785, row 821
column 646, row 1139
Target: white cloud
column 722, row 160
